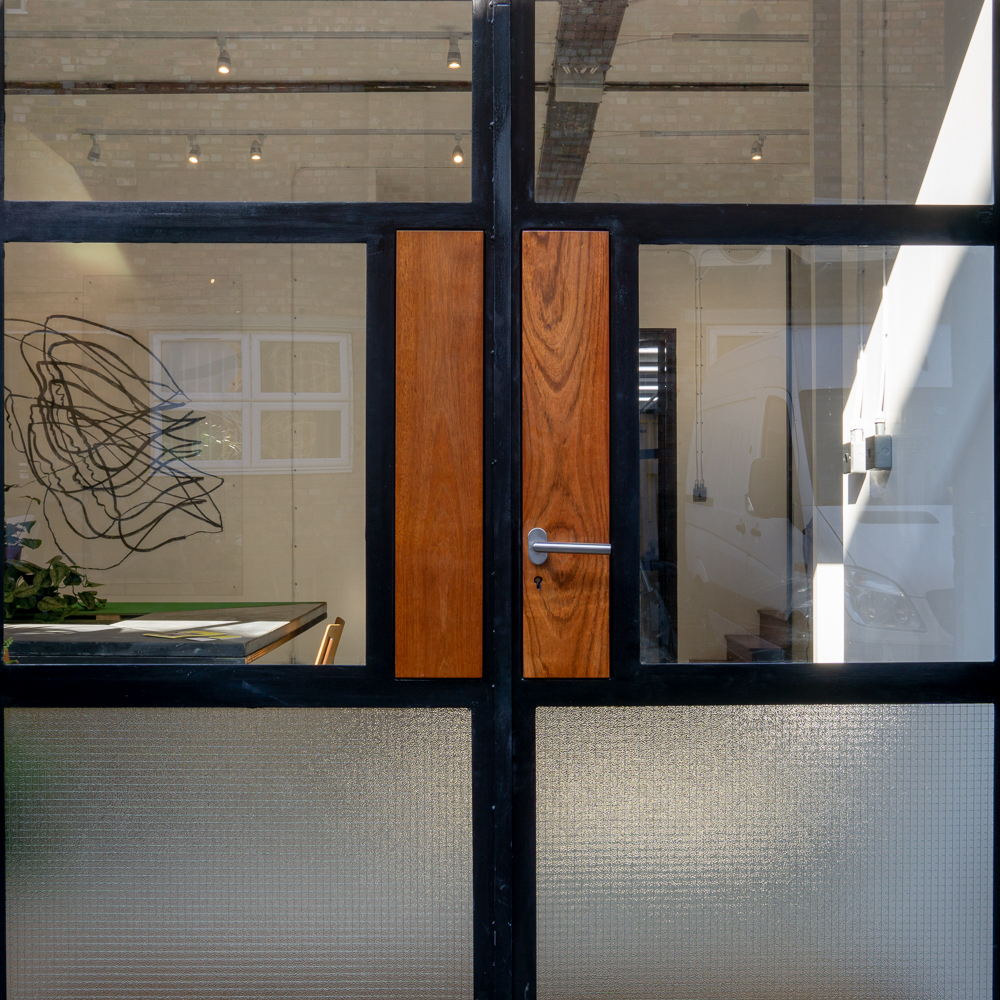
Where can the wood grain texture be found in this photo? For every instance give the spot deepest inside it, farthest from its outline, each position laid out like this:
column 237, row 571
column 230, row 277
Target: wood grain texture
column 439, row 454
column 565, row 449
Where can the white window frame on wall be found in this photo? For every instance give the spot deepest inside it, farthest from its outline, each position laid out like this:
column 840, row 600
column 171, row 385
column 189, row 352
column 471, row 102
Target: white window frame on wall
column 252, row 401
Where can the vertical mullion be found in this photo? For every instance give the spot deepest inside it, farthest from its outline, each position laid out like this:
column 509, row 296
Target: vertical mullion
column 380, row 418
column 524, row 914
column 499, row 416
column 3, row 107
column 482, row 106
column 624, row 456
column 522, row 83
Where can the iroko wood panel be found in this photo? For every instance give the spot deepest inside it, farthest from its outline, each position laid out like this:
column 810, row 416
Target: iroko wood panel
column 565, row 449
column 439, row 454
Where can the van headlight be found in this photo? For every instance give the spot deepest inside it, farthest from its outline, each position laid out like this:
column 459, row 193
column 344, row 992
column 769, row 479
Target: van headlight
column 875, row 601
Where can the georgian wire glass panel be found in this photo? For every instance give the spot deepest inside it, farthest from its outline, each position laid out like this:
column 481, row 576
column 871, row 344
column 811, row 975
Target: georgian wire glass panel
column 780, row 852
column 300, row 853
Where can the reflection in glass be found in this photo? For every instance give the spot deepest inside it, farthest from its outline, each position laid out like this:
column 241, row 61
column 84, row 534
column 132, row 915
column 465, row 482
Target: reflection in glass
column 191, row 434
column 658, row 464
column 216, row 437
column 797, row 101
column 833, row 478
column 204, row 100
column 287, row 434
column 300, row 367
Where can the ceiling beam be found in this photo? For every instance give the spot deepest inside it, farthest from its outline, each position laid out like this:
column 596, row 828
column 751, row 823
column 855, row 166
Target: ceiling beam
column 585, row 44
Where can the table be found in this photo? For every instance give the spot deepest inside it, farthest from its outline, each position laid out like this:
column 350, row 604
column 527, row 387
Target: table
column 219, row 634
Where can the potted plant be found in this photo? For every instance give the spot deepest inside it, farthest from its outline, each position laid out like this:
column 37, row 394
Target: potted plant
column 46, row 593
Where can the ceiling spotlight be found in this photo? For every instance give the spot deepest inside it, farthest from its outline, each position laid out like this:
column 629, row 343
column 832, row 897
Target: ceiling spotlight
column 457, row 156
column 454, row 56
column 225, row 64
column 194, row 153
column 95, row 150
column 255, row 150
column 757, row 149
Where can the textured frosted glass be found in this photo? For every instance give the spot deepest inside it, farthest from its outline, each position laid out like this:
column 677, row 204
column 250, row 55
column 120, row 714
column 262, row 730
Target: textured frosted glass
column 209, row 853
column 765, row 852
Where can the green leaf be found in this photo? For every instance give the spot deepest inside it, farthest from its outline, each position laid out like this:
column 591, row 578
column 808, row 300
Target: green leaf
column 54, row 604
column 23, row 566
column 90, row 601
column 31, row 543
column 58, row 571
column 51, row 616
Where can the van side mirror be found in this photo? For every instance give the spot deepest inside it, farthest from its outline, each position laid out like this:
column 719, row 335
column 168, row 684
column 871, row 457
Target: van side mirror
column 767, row 495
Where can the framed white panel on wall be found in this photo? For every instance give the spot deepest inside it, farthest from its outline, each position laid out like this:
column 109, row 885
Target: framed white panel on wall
column 315, row 437
column 204, row 366
column 313, row 366
column 254, row 403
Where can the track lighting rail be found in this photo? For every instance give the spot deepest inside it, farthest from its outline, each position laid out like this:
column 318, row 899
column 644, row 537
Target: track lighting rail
column 275, row 131
column 722, row 131
column 445, row 34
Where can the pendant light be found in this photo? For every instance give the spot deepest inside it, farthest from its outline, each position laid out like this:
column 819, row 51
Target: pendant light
column 95, row 150
column 457, row 156
column 757, row 149
column 194, row 153
column 454, row 56
column 255, row 148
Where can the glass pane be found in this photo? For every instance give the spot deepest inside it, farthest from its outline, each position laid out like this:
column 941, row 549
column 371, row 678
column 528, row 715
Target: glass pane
column 800, row 101
column 816, row 453
column 302, row 367
column 736, row 853
column 300, row 853
column 341, row 100
column 286, row 434
column 189, row 435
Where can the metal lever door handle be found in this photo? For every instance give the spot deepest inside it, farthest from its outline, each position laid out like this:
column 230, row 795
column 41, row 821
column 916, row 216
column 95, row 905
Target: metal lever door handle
column 539, row 547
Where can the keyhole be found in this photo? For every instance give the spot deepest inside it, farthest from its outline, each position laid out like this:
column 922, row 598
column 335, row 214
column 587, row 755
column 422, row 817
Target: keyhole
column 538, row 583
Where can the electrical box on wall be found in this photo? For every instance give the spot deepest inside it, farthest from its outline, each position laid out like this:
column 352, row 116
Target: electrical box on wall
column 878, row 451
column 862, row 453
column 854, row 451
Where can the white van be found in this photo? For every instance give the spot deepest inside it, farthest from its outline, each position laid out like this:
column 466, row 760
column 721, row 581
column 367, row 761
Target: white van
column 753, row 542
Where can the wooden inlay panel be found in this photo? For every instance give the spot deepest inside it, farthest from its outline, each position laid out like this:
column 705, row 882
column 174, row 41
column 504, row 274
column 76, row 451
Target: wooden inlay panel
column 439, row 454
column 565, row 449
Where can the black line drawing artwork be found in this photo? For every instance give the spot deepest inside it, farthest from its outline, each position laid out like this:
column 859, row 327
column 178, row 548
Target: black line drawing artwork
column 111, row 448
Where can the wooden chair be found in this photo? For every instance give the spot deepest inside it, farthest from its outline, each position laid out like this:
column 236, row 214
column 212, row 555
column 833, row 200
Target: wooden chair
column 331, row 640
